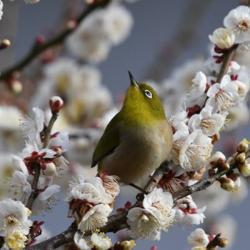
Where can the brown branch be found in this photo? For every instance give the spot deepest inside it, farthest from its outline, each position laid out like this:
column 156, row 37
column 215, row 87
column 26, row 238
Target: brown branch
column 37, row 49
column 228, row 57
column 118, row 221
column 45, row 136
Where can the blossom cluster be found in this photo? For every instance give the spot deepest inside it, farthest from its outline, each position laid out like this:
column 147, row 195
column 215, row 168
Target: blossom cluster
column 29, row 181
column 95, row 36
column 90, row 203
column 213, row 94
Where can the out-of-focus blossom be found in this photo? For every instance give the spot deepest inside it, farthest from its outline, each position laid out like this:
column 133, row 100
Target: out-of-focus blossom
column 198, row 238
column 1, row 9
column 157, row 214
column 224, row 38
column 182, row 77
column 95, row 36
column 187, row 212
column 227, row 226
column 10, row 118
column 214, row 198
column 238, row 20
column 46, row 199
column 14, row 217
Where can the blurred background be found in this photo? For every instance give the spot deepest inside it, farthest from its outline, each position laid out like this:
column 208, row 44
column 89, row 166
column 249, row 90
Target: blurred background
column 165, row 35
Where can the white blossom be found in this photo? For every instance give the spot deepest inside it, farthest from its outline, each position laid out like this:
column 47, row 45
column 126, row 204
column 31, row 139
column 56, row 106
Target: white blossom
column 96, row 217
column 89, row 189
column 192, row 151
column 238, row 20
column 143, row 225
column 100, row 241
column 32, row 127
column 224, row 38
column 10, row 117
column 46, row 200
column 1, row 9
column 210, row 123
column 16, row 240
column 117, row 23
column 81, row 242
column 198, row 238
column 222, row 96
column 156, row 214
column 31, row 1
column 14, row 217
column 197, row 96
column 187, row 212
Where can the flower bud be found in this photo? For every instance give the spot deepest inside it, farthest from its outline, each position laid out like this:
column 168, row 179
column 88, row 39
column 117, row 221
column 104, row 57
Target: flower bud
column 242, row 88
column 16, row 86
column 5, row 43
column 240, row 158
column 227, row 184
column 50, row 169
column 245, row 169
column 222, row 242
column 127, row 244
column 223, row 38
column 56, row 103
column 217, row 156
column 243, row 146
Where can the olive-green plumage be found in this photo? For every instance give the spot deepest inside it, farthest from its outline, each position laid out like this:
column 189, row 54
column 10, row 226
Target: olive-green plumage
column 137, row 140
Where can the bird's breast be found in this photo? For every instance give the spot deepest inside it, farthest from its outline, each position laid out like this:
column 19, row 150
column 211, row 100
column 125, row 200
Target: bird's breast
column 140, row 152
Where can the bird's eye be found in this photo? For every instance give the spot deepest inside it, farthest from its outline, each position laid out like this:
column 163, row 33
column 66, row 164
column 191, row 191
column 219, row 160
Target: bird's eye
column 148, row 94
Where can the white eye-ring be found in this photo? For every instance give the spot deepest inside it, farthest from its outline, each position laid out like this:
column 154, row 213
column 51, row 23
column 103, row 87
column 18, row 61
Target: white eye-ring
column 148, row 94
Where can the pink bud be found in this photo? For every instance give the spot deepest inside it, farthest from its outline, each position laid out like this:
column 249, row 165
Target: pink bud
column 40, row 40
column 153, row 247
column 56, row 103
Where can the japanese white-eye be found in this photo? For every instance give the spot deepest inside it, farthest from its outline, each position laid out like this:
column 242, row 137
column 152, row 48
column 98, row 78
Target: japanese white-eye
column 138, row 138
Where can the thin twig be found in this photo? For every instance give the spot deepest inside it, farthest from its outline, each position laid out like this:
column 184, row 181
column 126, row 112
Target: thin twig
column 37, row 49
column 228, row 57
column 45, row 136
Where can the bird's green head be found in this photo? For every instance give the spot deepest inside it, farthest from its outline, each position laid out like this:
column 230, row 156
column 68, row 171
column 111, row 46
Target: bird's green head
column 142, row 103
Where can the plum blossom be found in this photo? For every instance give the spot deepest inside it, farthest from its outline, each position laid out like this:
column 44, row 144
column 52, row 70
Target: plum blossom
column 95, row 36
column 224, row 38
column 46, row 199
column 16, row 240
column 155, row 215
column 196, row 95
column 222, row 96
column 192, row 151
column 198, row 238
column 210, row 123
column 1, row 9
column 187, row 212
column 238, row 20
column 90, row 189
column 96, row 217
column 97, row 240
column 14, row 217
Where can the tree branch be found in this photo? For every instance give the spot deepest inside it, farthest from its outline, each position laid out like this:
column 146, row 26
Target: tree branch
column 37, row 49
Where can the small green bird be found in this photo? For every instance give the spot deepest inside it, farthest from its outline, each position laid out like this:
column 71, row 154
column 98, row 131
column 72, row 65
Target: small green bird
column 138, row 138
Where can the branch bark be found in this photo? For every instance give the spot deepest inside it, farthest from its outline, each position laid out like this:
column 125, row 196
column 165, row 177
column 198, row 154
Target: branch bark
column 37, row 49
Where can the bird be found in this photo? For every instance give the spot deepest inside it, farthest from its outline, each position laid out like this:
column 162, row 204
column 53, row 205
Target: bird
column 137, row 139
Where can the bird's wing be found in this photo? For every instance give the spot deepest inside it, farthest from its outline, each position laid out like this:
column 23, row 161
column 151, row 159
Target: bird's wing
column 108, row 142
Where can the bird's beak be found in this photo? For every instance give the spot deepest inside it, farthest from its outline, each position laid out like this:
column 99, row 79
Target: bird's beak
column 133, row 82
